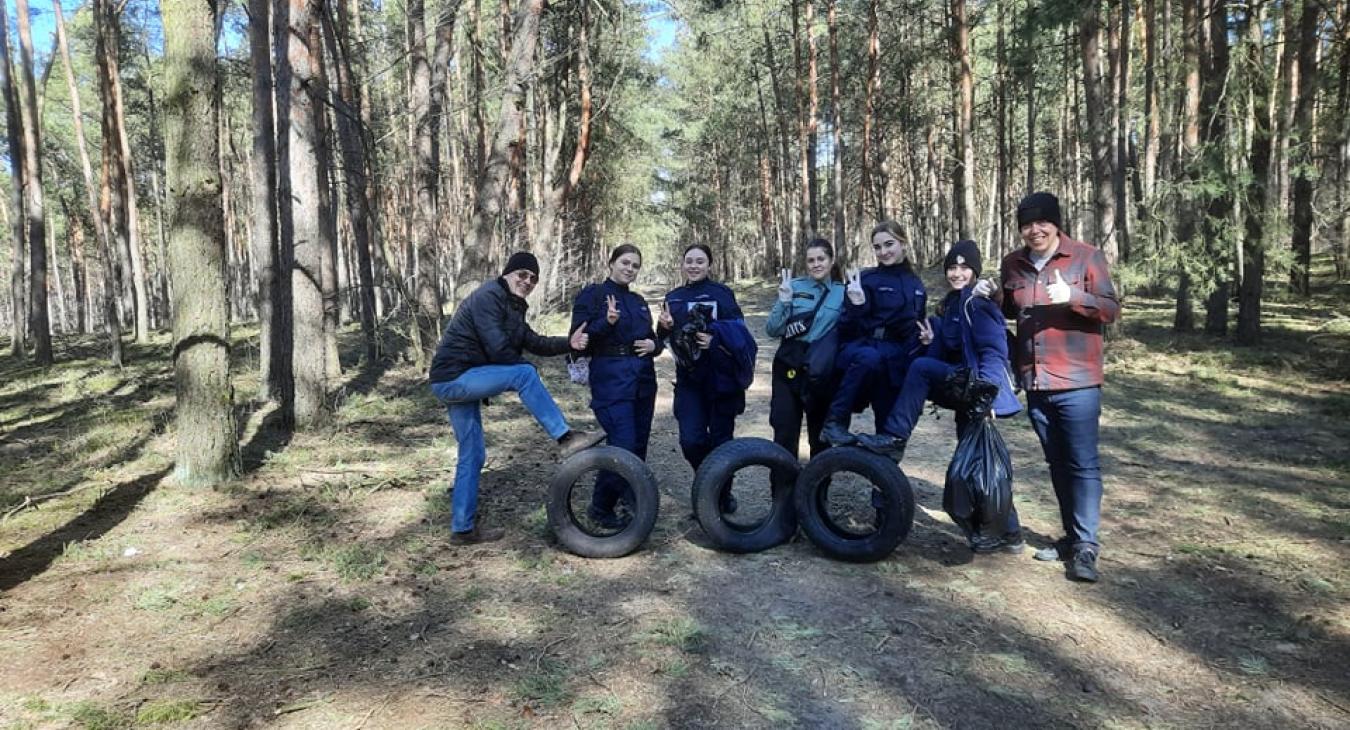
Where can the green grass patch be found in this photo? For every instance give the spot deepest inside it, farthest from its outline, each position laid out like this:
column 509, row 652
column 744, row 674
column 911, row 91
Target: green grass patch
column 162, row 712
column 597, row 705
column 546, row 687
column 159, row 597
column 681, row 633
column 89, row 715
column 355, row 563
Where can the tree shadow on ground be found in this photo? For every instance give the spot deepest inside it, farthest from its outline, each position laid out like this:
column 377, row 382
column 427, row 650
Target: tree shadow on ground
column 109, row 511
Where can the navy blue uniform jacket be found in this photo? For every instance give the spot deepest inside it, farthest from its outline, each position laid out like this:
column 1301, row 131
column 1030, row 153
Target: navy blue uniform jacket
column 616, row 378
column 970, row 331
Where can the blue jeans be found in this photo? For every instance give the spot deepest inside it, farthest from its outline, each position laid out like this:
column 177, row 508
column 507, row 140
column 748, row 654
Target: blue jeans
column 1066, row 423
column 462, row 397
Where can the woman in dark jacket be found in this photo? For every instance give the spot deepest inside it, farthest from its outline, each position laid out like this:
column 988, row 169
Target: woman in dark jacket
column 968, row 332
column 705, row 328
column 622, row 377
column 878, row 334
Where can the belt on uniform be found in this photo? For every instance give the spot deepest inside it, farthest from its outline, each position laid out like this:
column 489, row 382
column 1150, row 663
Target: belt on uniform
column 888, row 334
column 615, row 351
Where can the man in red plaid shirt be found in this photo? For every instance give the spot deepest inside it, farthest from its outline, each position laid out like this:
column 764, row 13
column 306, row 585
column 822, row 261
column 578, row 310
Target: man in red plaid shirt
column 1059, row 292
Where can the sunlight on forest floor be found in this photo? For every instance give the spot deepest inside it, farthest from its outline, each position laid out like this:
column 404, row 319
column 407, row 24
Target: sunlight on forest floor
column 320, row 590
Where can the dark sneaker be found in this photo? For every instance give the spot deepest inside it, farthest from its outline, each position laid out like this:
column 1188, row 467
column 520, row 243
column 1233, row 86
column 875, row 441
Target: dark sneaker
column 835, row 434
column 1012, row 544
column 1083, row 567
column 477, row 535
column 574, row 441
column 608, row 520
column 1060, row 550
column 883, row 444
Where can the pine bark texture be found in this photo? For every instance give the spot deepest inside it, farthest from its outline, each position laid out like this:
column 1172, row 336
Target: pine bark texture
column 207, row 450
column 39, row 321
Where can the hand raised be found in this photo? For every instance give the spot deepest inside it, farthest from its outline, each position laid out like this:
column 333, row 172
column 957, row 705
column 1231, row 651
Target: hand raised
column 611, row 309
column 1060, row 292
column 785, row 286
column 925, row 332
column 579, row 339
column 853, row 290
column 665, row 320
column 984, row 288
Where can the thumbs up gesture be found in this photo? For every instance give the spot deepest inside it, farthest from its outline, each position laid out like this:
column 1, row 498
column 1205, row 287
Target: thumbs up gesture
column 1059, row 291
column 785, row 286
column 611, row 309
column 853, row 290
column 579, row 339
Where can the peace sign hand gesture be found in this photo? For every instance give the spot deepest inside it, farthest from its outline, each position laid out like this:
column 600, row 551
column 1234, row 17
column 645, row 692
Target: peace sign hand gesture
column 925, row 332
column 666, row 321
column 785, row 286
column 854, row 290
column 611, row 309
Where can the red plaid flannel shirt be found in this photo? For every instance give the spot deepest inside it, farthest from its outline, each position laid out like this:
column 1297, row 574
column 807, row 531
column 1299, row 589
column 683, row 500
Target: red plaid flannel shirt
column 1059, row 347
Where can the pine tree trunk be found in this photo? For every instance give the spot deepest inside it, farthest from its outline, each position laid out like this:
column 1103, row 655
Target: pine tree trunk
column 299, row 217
column 207, row 451
column 867, row 204
column 39, row 322
column 1301, row 158
column 1098, row 97
column 964, row 178
column 18, row 281
column 1218, row 209
column 490, row 202
column 273, row 369
column 556, row 196
column 836, row 104
column 1256, row 213
column 1188, row 213
column 348, row 114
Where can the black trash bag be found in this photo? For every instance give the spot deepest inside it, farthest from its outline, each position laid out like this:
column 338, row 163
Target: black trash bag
column 684, row 341
column 959, row 391
column 978, row 492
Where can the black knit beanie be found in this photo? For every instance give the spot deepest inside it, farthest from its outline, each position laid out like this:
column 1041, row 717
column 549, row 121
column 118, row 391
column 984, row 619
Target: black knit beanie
column 1039, row 207
column 963, row 252
column 521, row 260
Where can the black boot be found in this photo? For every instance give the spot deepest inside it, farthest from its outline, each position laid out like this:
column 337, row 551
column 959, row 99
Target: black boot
column 834, row 433
column 884, row 444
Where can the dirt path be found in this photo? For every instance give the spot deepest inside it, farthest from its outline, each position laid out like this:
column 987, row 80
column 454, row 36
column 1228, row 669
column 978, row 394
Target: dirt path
column 321, row 593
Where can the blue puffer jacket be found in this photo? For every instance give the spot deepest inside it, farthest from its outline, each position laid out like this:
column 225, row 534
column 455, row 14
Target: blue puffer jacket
column 970, row 331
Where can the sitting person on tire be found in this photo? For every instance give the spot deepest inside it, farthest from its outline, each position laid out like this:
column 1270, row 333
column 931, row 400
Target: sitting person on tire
column 479, row 356
column 622, row 376
column 878, row 334
column 967, row 333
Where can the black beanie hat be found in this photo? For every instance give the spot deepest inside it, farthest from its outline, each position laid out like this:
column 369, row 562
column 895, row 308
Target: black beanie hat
column 521, row 260
column 963, row 252
column 1039, row 207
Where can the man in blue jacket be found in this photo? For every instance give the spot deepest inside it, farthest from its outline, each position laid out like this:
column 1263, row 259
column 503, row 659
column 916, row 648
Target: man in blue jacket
column 480, row 356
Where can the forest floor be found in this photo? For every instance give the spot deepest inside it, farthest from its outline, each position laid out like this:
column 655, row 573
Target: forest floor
column 319, row 591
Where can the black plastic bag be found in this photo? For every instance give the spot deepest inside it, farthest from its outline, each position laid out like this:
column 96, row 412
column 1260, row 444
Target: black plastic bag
column 978, row 493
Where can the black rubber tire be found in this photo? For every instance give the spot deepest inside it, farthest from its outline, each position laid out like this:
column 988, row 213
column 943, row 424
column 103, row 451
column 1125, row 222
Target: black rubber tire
column 561, row 520
column 897, row 499
column 715, row 475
